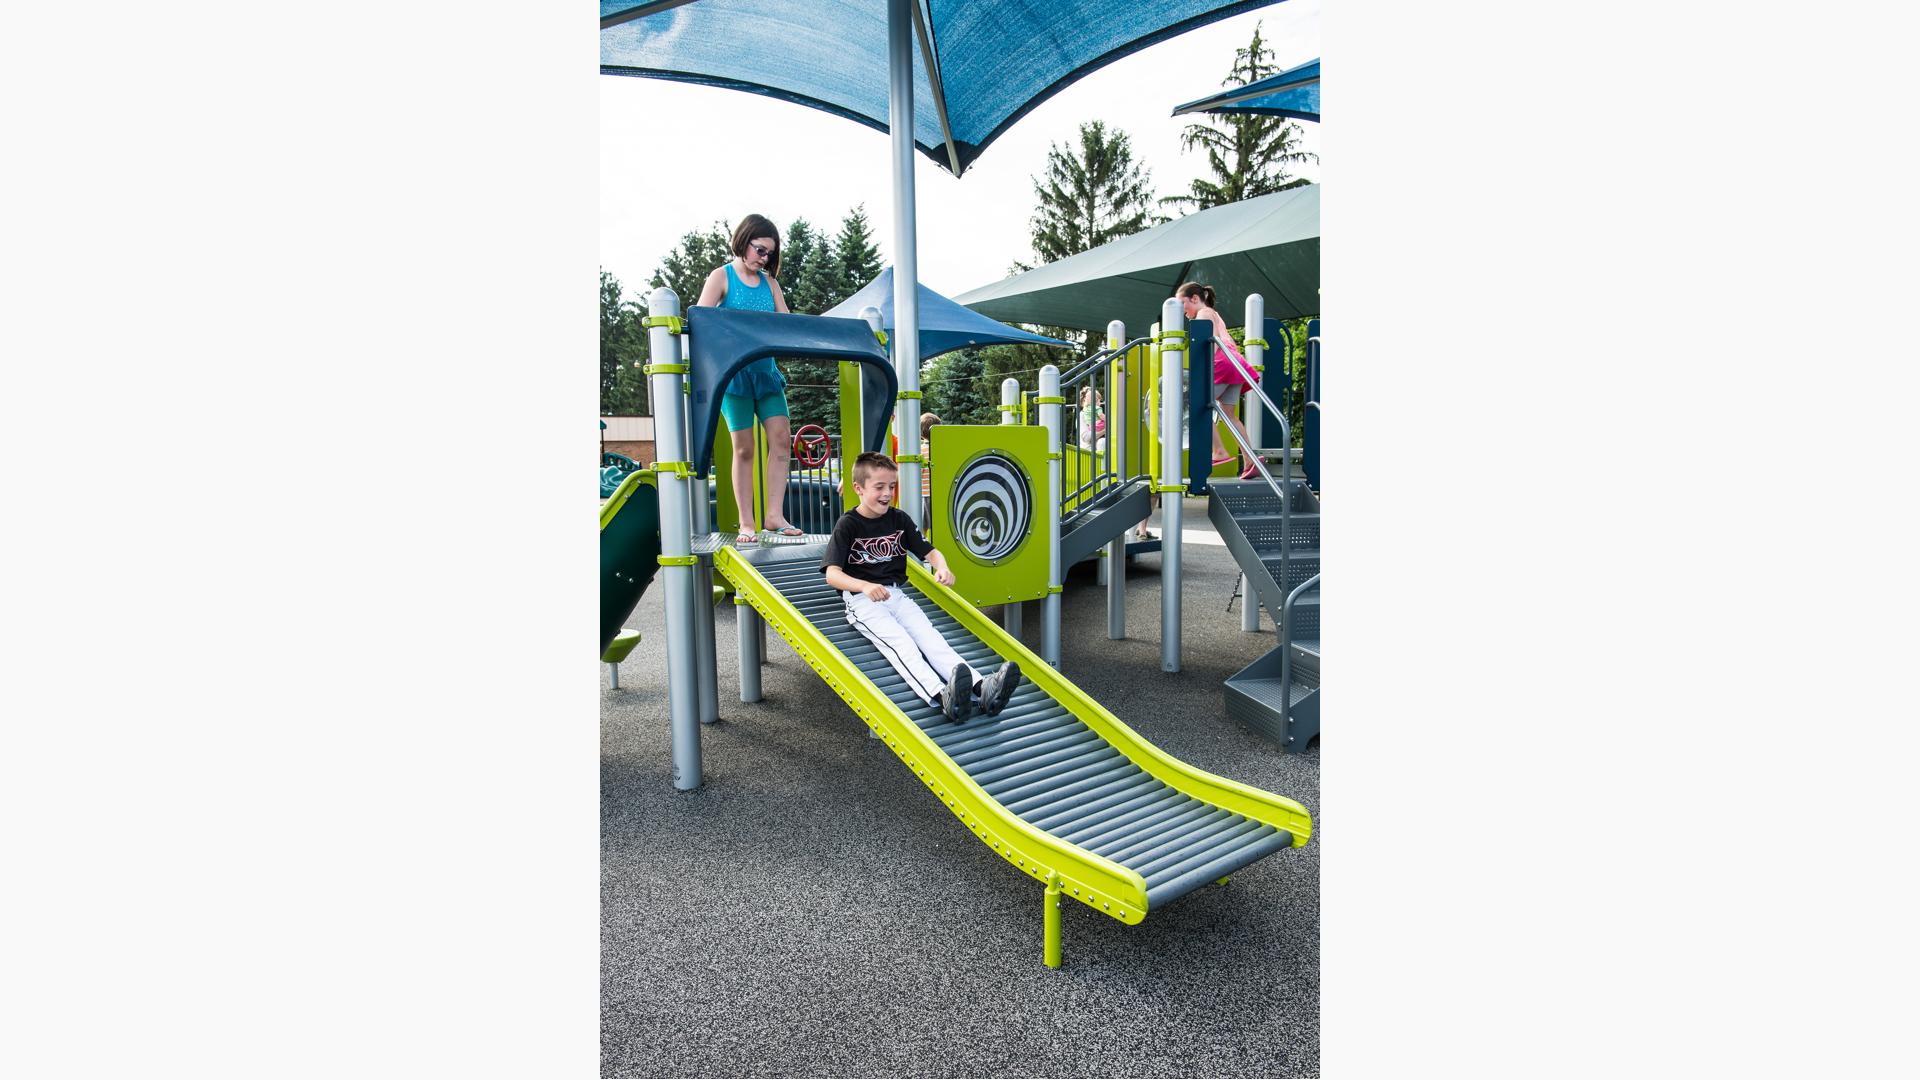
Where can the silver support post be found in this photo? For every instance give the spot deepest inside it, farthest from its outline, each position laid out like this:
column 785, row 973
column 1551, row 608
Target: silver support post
column 676, row 542
column 1173, row 362
column 707, row 673
column 1254, row 417
column 613, row 676
column 748, row 621
column 1009, row 403
column 1117, row 454
column 1050, row 419
column 906, row 261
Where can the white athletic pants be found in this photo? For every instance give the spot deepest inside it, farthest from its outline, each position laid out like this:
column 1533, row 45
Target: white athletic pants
column 910, row 643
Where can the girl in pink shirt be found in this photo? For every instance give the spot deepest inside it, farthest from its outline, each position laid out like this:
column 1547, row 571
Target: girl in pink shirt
column 1232, row 373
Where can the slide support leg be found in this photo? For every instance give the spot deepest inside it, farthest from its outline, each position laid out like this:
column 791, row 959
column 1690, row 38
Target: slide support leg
column 1050, row 921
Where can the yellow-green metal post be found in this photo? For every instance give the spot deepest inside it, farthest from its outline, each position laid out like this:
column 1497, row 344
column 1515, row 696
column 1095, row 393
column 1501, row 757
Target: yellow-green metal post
column 1050, row 920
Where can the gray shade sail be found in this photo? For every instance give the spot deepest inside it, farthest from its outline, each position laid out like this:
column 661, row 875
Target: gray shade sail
column 1293, row 93
column 992, row 60
column 1268, row 245
column 944, row 325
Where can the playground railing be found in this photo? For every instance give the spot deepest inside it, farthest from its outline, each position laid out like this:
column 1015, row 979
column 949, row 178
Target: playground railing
column 1095, row 371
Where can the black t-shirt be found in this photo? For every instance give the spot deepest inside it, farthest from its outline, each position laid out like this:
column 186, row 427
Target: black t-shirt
column 875, row 549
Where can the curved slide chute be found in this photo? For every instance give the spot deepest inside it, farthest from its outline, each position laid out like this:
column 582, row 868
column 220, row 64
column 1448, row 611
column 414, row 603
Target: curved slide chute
column 1055, row 784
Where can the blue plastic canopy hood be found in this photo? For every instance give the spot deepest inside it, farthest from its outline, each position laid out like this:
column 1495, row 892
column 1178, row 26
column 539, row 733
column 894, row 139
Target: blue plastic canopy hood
column 978, row 65
column 1294, row 93
column 944, row 325
column 726, row 340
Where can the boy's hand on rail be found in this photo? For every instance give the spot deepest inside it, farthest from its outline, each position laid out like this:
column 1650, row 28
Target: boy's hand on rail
column 942, row 575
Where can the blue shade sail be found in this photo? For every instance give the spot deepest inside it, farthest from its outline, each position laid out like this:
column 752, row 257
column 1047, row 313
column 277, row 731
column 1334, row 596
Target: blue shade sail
column 993, row 60
column 944, row 325
column 1293, row 93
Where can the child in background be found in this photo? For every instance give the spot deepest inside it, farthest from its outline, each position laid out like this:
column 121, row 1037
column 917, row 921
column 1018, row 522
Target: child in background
column 927, row 420
column 866, row 559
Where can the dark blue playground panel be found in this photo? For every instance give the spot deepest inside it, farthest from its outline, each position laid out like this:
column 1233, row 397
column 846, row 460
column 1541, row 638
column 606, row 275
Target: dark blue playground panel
column 1311, row 454
column 1199, row 406
column 726, row 340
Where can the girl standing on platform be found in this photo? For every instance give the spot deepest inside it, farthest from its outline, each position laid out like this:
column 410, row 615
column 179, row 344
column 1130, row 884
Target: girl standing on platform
column 757, row 391
column 1231, row 371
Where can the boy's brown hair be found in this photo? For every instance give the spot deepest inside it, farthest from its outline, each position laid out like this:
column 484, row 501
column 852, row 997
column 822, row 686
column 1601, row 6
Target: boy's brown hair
column 868, row 463
column 927, row 420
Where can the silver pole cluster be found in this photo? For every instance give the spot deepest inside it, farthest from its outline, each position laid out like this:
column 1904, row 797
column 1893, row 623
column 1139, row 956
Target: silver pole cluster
column 1117, row 444
column 672, row 475
column 1009, row 414
column 1255, row 418
column 1173, row 359
column 1050, row 418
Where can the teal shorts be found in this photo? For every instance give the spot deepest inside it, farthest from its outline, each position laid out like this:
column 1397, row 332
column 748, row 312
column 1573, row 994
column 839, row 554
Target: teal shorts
column 739, row 411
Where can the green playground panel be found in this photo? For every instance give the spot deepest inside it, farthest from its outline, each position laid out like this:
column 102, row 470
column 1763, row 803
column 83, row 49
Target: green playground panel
column 1013, row 564
column 629, row 550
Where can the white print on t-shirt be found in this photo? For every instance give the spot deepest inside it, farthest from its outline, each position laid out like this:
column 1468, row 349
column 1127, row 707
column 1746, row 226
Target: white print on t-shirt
column 876, row 549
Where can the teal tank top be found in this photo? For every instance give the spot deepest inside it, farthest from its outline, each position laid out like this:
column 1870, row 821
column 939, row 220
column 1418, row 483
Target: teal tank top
column 761, row 377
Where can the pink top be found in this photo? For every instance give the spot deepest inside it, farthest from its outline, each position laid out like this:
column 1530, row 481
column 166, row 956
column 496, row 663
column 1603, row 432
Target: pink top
column 1226, row 372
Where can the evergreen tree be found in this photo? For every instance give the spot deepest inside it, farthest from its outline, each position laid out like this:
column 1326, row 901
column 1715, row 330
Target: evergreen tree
column 1248, row 155
column 854, row 249
column 800, row 253
column 685, row 268
column 1090, row 194
column 622, row 345
column 956, row 387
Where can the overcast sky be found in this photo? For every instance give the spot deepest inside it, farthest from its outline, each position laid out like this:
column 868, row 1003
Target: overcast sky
column 794, row 161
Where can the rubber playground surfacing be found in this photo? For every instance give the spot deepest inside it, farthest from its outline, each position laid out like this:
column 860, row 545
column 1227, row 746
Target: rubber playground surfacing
column 812, row 910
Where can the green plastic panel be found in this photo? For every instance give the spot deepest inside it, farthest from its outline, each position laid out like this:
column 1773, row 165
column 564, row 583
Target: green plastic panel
column 629, row 550
column 989, row 512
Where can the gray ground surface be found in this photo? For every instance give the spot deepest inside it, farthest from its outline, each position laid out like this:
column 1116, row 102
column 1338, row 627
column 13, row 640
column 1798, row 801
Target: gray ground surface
column 813, row 911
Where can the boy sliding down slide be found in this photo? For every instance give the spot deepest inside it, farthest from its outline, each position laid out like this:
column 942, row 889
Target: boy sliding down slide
column 866, row 559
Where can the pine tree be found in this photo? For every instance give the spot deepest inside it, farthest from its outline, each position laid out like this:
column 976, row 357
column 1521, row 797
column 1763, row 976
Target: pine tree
column 854, row 249
column 685, row 268
column 1260, row 148
column 623, row 344
column 1091, row 194
column 800, row 249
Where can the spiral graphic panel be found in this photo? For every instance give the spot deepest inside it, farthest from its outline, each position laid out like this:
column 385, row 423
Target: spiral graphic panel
column 992, row 507
column 989, row 499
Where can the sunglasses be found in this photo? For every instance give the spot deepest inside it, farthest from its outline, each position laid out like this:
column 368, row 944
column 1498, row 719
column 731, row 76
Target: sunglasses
column 763, row 252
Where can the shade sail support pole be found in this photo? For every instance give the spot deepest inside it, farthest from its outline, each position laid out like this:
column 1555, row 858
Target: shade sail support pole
column 906, row 261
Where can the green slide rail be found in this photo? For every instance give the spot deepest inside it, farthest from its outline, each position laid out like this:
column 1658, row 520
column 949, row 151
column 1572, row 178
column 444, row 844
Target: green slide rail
column 1120, row 836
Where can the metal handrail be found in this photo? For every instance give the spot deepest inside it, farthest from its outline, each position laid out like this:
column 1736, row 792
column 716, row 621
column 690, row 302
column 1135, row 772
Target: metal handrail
column 1286, row 644
column 1083, row 372
column 1086, row 367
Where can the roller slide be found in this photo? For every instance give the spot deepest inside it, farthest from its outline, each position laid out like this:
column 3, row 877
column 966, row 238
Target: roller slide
column 1055, row 784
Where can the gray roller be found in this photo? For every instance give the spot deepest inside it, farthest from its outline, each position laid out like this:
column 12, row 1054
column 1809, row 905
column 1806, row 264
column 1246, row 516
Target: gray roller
column 1100, row 827
column 1072, row 750
column 1052, row 776
column 1146, row 858
column 1092, row 805
column 1117, row 844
